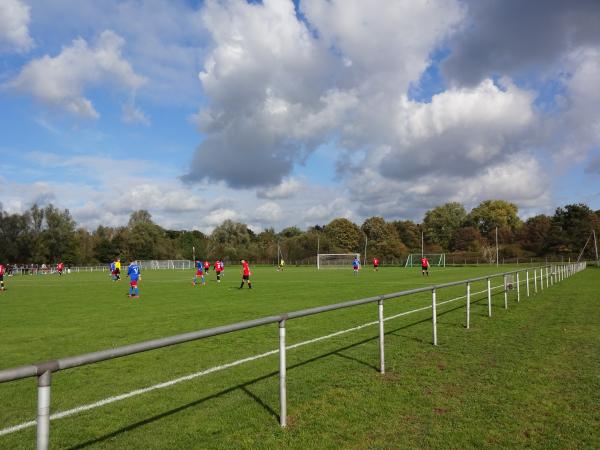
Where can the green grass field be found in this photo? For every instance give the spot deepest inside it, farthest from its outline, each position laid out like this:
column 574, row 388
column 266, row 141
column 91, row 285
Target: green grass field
column 527, row 377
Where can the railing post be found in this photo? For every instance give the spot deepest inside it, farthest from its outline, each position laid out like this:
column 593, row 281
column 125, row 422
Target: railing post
column 518, row 289
column 43, row 410
column 542, row 278
column 434, row 316
column 489, row 295
column 547, row 280
column 282, row 377
column 535, row 280
column 468, row 304
column 505, row 292
column 527, row 278
column 381, row 338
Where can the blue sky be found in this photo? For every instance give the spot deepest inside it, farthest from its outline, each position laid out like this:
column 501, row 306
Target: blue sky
column 279, row 113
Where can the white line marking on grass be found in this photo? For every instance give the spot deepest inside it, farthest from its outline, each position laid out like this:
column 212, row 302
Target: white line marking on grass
column 116, row 398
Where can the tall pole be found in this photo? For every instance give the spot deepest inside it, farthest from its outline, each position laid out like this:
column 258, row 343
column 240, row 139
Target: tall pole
column 497, row 262
column 596, row 247
column 365, row 259
column 194, row 253
column 422, row 245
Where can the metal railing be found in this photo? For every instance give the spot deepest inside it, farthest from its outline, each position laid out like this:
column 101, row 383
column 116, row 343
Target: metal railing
column 544, row 275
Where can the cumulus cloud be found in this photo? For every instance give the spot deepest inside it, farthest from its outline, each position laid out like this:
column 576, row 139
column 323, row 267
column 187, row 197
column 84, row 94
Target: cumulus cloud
column 509, row 36
column 14, row 26
column 278, row 86
column 132, row 114
column 60, row 81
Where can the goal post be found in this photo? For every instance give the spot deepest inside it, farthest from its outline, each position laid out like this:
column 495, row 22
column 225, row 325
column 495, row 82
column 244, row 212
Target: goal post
column 335, row 260
column 435, row 259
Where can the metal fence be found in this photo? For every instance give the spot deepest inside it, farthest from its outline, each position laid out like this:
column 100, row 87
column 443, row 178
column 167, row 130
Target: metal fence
column 543, row 276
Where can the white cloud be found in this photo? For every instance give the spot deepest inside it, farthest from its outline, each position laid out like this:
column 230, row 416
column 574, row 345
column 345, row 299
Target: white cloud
column 61, row 81
column 14, row 26
column 286, row 189
column 133, row 114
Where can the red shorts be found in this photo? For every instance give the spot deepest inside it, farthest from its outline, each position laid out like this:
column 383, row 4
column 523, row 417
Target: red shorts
column 199, row 273
column 133, row 283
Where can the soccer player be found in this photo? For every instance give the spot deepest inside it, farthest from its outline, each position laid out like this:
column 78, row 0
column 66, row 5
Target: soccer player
column 218, row 269
column 118, row 269
column 113, row 275
column 281, row 264
column 199, row 273
column 133, row 272
column 375, row 264
column 2, row 269
column 356, row 266
column 60, row 267
column 245, row 274
column 424, row 266
column 206, row 266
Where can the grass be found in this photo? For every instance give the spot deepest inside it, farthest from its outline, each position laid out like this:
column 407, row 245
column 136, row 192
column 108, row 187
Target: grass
column 527, row 377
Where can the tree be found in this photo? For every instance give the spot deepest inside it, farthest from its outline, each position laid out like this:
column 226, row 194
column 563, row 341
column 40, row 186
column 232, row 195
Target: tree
column 344, row 235
column 490, row 214
column 441, row 222
column 384, row 240
column 59, row 235
column 144, row 237
column 230, row 240
column 467, row 239
column 535, row 234
column 572, row 226
column 410, row 234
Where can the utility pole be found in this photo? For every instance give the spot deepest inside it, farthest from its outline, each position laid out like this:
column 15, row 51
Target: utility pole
column 422, row 245
column 365, row 260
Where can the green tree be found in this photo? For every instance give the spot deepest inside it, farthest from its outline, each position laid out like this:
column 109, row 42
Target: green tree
column 535, row 234
column 441, row 222
column 230, row 240
column 59, row 235
column 467, row 239
column 344, row 235
column 410, row 234
column 490, row 214
column 384, row 241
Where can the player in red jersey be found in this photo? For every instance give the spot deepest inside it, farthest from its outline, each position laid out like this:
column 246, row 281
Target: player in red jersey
column 60, row 267
column 424, row 266
column 375, row 264
column 245, row 274
column 206, row 267
column 218, row 269
column 2, row 270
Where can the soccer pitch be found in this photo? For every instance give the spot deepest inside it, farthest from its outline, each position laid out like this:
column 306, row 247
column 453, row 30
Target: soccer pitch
column 526, row 377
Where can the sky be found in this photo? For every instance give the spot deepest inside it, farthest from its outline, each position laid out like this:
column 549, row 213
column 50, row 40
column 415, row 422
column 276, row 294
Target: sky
column 278, row 113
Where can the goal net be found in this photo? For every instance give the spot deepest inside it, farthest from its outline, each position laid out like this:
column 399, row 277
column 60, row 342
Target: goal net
column 336, row 260
column 435, row 259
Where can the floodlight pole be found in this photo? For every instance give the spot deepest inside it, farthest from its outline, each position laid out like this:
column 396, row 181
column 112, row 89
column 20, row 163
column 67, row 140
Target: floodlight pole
column 194, row 253
column 596, row 248
column 422, row 245
column 365, row 258
column 497, row 261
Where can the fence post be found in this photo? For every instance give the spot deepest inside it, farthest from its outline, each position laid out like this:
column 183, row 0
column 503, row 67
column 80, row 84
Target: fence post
column 535, row 280
column 282, row 386
column 381, row 338
column 518, row 289
column 547, row 280
column 489, row 295
column 468, row 304
column 434, row 316
column 43, row 410
column 527, row 284
column 542, row 278
column 505, row 292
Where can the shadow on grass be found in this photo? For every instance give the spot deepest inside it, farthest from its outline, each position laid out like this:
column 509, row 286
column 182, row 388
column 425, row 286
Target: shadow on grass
column 244, row 387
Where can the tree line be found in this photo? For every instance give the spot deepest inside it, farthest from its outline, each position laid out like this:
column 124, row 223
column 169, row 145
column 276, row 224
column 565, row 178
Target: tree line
column 49, row 234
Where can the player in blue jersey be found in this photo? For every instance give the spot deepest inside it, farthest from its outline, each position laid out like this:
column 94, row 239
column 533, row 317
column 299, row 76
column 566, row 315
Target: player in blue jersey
column 113, row 275
column 356, row 266
column 134, row 274
column 199, row 273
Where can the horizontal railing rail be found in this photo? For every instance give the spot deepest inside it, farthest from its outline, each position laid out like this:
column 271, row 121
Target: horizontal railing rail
column 548, row 274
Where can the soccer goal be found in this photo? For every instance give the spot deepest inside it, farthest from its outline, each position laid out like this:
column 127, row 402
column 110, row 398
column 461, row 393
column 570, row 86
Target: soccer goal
column 336, row 260
column 435, row 259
